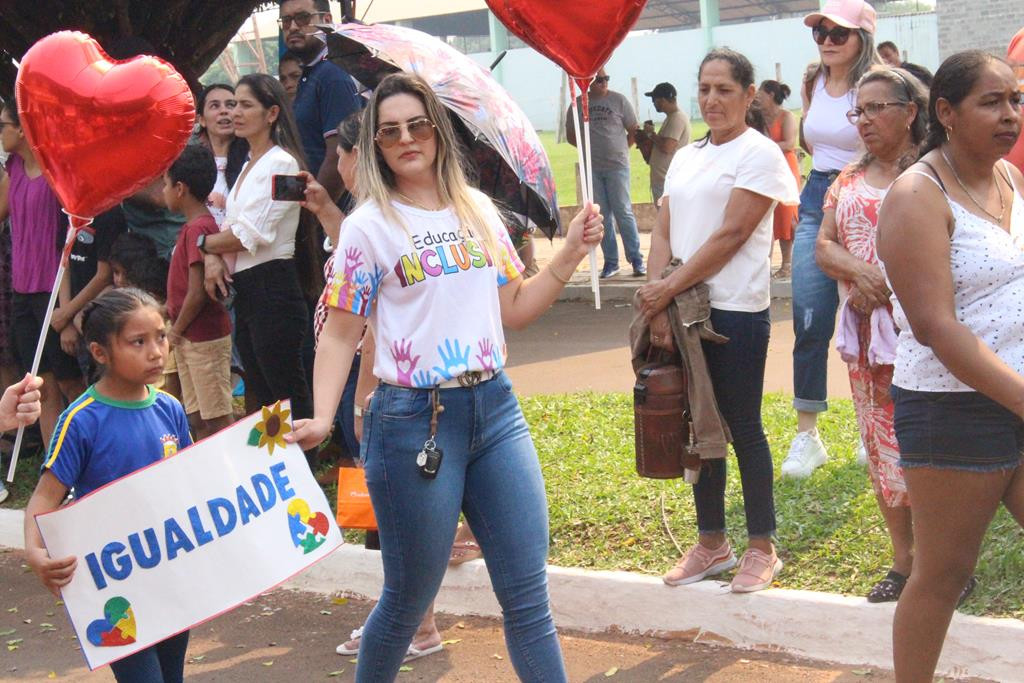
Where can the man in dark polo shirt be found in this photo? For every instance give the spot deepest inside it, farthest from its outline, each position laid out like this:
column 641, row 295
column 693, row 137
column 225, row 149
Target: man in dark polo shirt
column 326, row 93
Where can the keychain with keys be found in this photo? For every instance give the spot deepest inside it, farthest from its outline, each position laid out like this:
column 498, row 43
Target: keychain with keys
column 429, row 458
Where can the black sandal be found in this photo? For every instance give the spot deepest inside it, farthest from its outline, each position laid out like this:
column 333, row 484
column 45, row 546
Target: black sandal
column 972, row 583
column 889, row 588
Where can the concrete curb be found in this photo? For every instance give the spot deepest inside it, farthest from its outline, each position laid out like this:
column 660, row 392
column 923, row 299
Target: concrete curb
column 821, row 626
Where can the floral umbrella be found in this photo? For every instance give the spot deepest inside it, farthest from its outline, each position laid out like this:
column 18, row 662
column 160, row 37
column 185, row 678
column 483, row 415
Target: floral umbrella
column 511, row 163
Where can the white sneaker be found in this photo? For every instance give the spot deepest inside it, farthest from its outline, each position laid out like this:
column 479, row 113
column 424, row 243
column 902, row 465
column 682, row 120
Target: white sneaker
column 806, row 454
column 862, row 454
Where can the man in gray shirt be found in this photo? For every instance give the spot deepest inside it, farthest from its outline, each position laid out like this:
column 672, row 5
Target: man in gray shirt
column 612, row 131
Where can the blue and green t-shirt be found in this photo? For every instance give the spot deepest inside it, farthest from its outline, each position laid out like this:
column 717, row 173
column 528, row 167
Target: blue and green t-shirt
column 98, row 439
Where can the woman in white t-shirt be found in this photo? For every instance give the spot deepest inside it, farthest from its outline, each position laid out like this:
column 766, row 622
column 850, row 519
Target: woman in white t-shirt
column 274, row 264
column 429, row 261
column 844, row 33
column 726, row 187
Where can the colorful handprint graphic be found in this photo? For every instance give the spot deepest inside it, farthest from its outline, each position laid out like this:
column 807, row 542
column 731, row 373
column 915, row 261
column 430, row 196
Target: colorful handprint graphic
column 405, row 362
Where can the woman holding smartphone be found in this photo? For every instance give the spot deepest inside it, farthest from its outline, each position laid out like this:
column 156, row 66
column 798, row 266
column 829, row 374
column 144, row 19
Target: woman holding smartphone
column 271, row 252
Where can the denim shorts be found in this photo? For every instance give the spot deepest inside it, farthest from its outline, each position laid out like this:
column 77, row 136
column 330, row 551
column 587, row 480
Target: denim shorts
column 958, row 430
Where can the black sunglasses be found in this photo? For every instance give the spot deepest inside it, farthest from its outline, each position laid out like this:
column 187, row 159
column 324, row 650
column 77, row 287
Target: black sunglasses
column 839, row 34
column 602, row 79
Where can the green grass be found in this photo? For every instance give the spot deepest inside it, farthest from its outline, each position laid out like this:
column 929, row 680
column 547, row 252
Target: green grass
column 603, row 516
column 831, row 535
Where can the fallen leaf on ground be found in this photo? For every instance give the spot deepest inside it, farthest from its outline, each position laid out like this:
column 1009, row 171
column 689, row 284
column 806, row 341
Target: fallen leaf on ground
column 353, row 660
column 611, row 672
column 340, row 601
column 59, row 603
column 15, row 641
column 325, row 612
column 333, row 674
column 26, row 621
column 196, row 659
column 460, row 625
column 8, row 631
column 270, row 663
column 862, row 672
column 52, row 674
column 12, row 648
column 405, row 669
column 452, row 641
column 12, row 610
column 497, row 656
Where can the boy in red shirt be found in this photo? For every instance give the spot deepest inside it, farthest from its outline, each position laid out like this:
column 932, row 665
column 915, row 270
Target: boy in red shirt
column 201, row 328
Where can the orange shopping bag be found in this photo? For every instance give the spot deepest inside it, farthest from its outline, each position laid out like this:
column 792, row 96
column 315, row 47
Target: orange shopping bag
column 354, row 508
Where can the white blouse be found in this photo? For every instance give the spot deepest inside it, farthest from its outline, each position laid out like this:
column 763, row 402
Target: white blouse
column 266, row 228
column 987, row 264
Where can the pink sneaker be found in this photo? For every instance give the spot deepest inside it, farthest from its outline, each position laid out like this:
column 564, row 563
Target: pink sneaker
column 699, row 563
column 757, row 571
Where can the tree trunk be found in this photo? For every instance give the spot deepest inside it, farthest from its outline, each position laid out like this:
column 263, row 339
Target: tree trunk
column 189, row 34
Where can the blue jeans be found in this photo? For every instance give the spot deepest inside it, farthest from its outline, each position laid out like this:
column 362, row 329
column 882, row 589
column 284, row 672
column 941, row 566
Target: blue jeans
column 491, row 473
column 160, row 663
column 611, row 192
column 815, row 301
column 737, row 375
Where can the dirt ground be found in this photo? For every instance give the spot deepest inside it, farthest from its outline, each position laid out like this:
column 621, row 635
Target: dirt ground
column 291, row 636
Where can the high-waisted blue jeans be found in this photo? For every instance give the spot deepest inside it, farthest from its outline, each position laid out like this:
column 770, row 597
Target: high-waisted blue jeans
column 490, row 472
column 815, row 301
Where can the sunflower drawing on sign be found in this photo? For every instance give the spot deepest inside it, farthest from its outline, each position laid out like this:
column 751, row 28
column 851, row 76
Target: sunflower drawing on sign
column 271, row 429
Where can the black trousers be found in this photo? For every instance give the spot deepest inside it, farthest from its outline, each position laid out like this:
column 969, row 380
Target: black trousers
column 270, row 326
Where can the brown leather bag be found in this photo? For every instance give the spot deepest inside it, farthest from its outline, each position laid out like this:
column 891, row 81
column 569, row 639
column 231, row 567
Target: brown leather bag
column 662, row 423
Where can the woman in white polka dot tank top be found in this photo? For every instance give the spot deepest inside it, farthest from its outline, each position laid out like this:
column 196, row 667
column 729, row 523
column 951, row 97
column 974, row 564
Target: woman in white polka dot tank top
column 951, row 236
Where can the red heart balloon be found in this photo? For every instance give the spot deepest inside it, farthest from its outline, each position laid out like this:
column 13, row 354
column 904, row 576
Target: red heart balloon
column 578, row 35
column 101, row 129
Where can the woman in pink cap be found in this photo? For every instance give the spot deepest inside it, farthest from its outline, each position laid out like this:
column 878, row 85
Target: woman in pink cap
column 844, row 31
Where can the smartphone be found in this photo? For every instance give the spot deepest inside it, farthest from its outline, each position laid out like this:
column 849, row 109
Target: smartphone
column 288, row 188
column 228, row 300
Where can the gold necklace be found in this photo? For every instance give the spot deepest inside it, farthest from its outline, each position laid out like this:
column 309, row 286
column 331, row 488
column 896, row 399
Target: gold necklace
column 1002, row 203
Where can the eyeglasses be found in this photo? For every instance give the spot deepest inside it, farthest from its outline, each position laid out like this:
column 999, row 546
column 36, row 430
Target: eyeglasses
column 301, row 19
column 421, row 129
column 602, row 79
column 839, row 34
column 7, row 123
column 870, row 110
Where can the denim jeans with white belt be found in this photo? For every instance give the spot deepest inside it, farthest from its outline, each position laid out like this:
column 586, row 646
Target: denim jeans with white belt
column 490, row 472
column 815, row 301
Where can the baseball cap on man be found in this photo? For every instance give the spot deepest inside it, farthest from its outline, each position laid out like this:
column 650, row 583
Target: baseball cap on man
column 846, row 13
column 666, row 90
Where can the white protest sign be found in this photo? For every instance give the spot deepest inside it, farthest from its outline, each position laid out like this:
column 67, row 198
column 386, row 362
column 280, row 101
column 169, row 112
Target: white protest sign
column 187, row 538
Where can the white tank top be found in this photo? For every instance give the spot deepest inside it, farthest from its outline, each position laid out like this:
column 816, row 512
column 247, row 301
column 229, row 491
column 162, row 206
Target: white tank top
column 987, row 264
column 832, row 137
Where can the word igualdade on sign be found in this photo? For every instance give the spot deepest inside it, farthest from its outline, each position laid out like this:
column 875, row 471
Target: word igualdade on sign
column 218, row 518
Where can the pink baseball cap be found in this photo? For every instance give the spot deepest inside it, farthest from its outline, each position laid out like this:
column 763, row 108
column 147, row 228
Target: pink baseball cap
column 846, row 13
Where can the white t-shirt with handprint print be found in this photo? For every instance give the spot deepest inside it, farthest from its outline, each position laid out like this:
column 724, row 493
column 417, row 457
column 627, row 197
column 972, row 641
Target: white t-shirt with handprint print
column 431, row 295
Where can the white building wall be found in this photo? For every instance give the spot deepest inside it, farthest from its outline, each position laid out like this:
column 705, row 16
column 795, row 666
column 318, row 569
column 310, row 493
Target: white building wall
column 534, row 81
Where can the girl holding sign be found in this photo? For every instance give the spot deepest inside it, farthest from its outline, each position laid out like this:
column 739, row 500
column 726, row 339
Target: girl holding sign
column 119, row 425
column 428, row 260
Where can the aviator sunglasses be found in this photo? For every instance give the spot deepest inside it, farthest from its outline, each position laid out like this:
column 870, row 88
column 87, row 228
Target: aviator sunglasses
column 839, row 34
column 421, row 129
